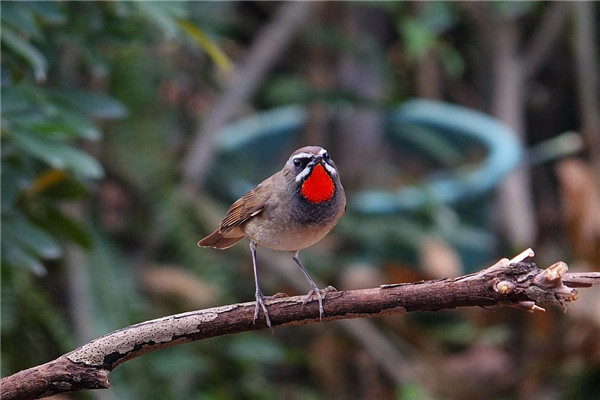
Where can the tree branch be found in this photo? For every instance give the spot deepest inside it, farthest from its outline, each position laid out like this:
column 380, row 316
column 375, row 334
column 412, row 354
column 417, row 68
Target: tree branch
column 515, row 282
column 544, row 37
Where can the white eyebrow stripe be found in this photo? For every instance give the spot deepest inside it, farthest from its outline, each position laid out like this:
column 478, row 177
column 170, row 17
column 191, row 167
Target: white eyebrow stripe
column 302, row 155
column 322, row 151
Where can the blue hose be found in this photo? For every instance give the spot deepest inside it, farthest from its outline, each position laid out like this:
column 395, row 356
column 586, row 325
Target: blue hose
column 504, row 152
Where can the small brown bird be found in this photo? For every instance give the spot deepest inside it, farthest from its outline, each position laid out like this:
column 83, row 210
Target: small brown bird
column 289, row 211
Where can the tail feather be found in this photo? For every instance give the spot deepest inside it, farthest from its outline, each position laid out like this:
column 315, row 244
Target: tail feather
column 218, row 241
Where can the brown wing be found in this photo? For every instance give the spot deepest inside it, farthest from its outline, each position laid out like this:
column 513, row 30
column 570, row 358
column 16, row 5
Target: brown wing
column 218, row 241
column 229, row 232
column 245, row 207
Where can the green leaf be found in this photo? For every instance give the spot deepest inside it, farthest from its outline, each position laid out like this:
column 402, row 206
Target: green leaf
column 58, row 154
column 50, row 12
column 417, row 38
column 8, row 308
column 32, row 237
column 14, row 254
column 68, row 227
column 30, row 53
column 69, row 188
column 78, row 125
column 15, row 99
column 511, row 10
column 163, row 14
column 65, row 127
column 20, row 16
column 213, row 51
column 33, row 110
column 10, row 184
column 62, row 124
column 287, row 90
column 439, row 16
column 451, row 59
column 95, row 105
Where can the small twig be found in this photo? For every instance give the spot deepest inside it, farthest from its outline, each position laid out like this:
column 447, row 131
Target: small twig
column 524, row 255
column 581, row 279
column 515, row 282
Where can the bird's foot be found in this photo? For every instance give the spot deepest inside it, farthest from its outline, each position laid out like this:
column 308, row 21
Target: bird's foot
column 317, row 293
column 260, row 303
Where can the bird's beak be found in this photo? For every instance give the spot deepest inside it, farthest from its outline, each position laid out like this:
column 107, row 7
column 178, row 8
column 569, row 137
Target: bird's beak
column 318, row 159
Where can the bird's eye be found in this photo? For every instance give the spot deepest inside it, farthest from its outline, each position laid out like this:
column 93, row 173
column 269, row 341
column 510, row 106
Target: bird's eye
column 301, row 162
column 326, row 156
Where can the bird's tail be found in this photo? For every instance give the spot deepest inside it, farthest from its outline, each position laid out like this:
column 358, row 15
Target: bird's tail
column 218, row 241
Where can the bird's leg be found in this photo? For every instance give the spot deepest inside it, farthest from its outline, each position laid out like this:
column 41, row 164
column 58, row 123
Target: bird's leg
column 260, row 298
column 314, row 291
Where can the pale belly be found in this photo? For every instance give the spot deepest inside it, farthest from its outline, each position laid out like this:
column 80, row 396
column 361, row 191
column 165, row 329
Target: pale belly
column 277, row 237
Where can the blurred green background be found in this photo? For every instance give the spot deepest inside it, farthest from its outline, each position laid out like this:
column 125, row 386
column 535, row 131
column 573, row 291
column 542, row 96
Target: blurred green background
column 120, row 151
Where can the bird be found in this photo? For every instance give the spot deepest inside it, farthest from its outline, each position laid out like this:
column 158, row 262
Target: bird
column 289, row 211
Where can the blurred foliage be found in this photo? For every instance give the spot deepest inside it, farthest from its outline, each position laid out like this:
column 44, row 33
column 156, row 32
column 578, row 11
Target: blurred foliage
column 51, row 117
column 100, row 102
column 423, row 33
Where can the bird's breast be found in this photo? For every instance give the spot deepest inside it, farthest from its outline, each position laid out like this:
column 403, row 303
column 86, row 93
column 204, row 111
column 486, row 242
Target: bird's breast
column 291, row 226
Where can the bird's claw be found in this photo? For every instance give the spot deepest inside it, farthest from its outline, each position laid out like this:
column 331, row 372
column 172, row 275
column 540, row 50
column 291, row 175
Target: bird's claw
column 317, row 293
column 260, row 303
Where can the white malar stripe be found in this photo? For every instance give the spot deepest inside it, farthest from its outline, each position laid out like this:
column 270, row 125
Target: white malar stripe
column 307, row 170
column 303, row 174
column 331, row 170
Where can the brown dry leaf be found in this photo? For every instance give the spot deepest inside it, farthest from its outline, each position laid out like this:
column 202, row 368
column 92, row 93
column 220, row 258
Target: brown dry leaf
column 360, row 276
column 587, row 307
column 475, row 373
column 172, row 284
column 580, row 198
column 438, row 259
column 116, row 204
column 327, row 354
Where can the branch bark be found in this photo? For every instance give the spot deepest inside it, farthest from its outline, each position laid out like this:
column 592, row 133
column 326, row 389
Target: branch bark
column 515, row 282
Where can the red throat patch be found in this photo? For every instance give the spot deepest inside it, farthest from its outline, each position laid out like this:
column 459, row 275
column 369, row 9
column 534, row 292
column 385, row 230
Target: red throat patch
column 318, row 187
